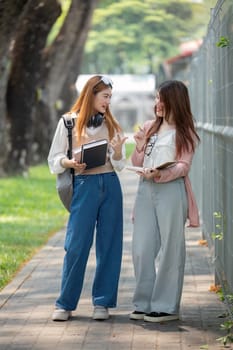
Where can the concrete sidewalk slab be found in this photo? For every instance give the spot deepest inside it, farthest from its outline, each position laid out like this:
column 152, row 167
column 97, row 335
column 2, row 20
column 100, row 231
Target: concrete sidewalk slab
column 27, row 302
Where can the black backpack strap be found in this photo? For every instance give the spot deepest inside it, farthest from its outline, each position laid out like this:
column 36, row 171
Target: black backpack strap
column 69, row 124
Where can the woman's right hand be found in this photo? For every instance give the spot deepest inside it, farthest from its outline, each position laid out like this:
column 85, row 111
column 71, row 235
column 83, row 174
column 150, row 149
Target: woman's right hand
column 140, row 138
column 73, row 163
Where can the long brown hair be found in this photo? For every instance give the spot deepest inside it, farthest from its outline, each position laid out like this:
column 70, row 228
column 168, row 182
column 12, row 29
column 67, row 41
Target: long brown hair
column 174, row 94
column 84, row 107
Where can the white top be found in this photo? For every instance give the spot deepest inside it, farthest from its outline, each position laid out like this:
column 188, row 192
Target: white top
column 161, row 148
column 59, row 147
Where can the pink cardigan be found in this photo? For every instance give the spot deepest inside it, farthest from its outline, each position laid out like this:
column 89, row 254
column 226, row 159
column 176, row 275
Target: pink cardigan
column 181, row 169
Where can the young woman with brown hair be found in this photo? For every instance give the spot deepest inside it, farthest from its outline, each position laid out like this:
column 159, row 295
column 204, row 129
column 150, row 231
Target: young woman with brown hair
column 96, row 202
column 163, row 203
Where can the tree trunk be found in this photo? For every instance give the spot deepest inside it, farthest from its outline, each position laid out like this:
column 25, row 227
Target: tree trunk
column 68, row 90
column 10, row 12
column 61, row 68
column 41, row 81
column 24, row 77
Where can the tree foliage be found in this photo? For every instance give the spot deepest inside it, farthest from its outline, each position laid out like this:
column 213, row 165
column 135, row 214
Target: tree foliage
column 134, row 36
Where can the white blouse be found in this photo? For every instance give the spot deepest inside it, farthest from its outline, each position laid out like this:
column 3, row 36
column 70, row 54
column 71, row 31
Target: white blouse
column 59, row 146
column 161, row 148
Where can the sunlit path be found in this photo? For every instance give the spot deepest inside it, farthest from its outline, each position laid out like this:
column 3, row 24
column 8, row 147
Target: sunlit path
column 25, row 317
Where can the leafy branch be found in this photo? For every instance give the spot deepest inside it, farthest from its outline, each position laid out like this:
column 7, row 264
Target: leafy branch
column 219, row 225
column 223, row 42
column 226, row 326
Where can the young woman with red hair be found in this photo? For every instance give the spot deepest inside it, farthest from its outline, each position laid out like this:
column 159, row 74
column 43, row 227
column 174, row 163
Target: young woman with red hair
column 96, row 203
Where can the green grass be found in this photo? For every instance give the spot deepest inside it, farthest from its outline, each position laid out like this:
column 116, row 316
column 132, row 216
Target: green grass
column 30, row 212
column 129, row 149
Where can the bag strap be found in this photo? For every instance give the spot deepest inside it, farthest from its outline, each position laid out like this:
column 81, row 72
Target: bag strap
column 69, row 124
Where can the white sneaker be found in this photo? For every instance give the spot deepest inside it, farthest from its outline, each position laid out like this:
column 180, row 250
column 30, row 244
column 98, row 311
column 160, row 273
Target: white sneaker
column 160, row 317
column 100, row 313
column 137, row 315
column 61, row 315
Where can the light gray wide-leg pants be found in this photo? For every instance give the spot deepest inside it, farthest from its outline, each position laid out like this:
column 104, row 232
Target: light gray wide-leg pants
column 160, row 214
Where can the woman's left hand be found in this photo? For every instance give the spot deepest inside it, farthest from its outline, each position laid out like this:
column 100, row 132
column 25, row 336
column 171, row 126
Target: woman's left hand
column 116, row 145
column 149, row 173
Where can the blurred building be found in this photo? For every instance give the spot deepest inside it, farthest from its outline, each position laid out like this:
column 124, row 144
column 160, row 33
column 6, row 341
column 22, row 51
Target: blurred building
column 178, row 67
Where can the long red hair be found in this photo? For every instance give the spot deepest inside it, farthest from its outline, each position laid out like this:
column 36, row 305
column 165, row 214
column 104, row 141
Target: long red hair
column 84, row 107
column 174, row 94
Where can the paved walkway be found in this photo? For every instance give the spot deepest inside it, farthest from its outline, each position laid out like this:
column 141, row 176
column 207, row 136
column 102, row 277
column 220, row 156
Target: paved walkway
column 27, row 303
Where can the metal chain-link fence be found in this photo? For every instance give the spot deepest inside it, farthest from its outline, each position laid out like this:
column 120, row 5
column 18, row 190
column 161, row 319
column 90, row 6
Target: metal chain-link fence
column 211, row 92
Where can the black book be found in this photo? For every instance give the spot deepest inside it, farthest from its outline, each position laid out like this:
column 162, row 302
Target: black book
column 94, row 153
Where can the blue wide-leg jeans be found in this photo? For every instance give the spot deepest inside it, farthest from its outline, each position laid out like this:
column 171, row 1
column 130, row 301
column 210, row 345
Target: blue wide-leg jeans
column 96, row 206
